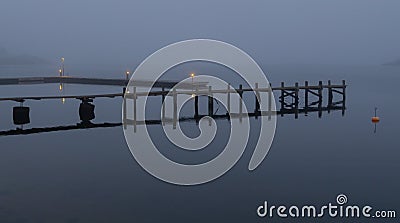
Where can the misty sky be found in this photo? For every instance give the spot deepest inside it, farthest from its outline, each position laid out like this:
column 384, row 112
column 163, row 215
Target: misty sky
column 124, row 32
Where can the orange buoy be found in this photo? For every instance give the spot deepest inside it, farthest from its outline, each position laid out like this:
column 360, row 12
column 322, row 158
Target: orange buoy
column 375, row 119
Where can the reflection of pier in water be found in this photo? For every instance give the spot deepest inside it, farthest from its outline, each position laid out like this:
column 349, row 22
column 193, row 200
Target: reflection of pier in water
column 289, row 101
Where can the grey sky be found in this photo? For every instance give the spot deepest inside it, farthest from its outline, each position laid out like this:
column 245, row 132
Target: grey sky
column 125, row 31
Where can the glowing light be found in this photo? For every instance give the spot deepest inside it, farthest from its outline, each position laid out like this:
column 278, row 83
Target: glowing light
column 62, row 59
column 193, row 95
column 61, row 87
column 60, row 71
column 63, row 100
column 192, row 75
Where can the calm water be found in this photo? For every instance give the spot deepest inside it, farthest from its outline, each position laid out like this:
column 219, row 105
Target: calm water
column 90, row 176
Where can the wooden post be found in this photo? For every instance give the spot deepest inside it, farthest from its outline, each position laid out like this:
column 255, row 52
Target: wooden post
column 320, row 99
column 124, row 112
column 240, row 102
column 229, row 100
column 134, row 109
column 196, row 104
column 210, row 102
column 282, row 99
column 175, row 112
column 306, row 97
column 330, row 96
column 163, row 105
column 269, row 101
column 296, row 100
column 343, row 96
column 258, row 99
column 344, row 90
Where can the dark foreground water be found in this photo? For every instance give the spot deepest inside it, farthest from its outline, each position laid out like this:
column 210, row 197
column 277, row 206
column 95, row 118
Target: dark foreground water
column 90, row 175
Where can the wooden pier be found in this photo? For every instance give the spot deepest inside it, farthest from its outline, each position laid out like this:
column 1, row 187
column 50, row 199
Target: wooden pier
column 289, row 101
column 295, row 100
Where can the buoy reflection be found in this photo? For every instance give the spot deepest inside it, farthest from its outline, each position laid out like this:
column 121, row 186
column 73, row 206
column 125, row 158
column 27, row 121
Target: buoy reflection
column 375, row 119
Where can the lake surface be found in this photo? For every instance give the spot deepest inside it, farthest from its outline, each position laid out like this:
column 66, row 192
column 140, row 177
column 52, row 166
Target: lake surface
column 90, row 175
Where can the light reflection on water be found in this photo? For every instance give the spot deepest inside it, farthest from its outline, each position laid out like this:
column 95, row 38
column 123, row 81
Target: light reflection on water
column 90, row 175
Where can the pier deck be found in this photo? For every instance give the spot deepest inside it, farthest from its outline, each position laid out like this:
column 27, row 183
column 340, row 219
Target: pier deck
column 91, row 81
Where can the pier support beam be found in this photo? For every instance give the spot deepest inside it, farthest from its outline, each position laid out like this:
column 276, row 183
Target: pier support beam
column 306, row 97
column 258, row 100
column 228, row 95
column 163, row 105
column 134, row 109
column 270, row 101
column 330, row 96
column 344, row 96
column 124, row 113
column 175, row 112
column 240, row 102
column 296, row 100
column 210, row 102
column 282, row 98
column 196, row 106
column 320, row 99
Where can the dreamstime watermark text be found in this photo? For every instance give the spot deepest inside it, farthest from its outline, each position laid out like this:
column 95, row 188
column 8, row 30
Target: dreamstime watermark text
column 339, row 209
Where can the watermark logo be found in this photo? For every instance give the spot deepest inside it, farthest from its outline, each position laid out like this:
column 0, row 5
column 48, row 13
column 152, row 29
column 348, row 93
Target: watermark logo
column 340, row 209
column 137, row 94
column 341, row 199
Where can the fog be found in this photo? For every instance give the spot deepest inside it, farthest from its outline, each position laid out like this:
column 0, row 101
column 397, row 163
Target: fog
column 124, row 32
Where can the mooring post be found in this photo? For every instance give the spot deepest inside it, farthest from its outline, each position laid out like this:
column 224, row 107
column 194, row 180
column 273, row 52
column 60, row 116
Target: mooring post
column 282, row 99
column 175, row 102
column 240, row 102
column 134, row 109
column 269, row 101
column 330, row 95
column 124, row 112
column 196, row 104
column 163, row 106
column 306, row 97
column 228, row 92
column 175, row 106
column 296, row 100
column 320, row 99
column 210, row 102
column 344, row 90
column 258, row 99
column 344, row 96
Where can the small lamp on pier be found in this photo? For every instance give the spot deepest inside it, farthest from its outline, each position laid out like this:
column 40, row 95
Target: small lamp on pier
column 62, row 66
column 192, row 76
column 127, row 74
